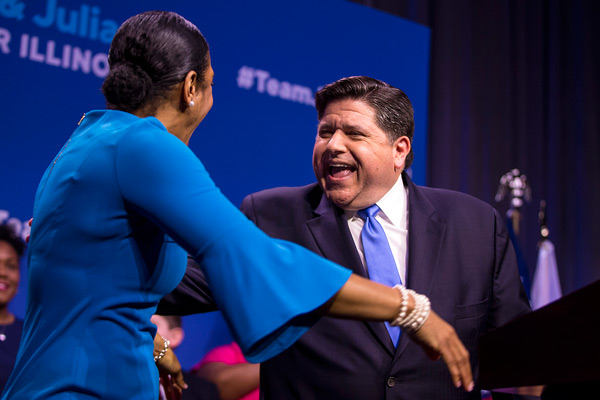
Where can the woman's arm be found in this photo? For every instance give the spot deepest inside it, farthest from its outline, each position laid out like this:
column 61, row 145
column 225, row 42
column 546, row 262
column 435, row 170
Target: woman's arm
column 361, row 298
column 259, row 283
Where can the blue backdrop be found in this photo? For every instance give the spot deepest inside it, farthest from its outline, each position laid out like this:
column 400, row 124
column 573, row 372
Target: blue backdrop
column 269, row 57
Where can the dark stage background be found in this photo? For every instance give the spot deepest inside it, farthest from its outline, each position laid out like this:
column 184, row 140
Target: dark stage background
column 515, row 84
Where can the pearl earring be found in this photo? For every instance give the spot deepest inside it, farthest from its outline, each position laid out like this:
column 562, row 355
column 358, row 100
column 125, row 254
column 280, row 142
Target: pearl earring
column 192, row 103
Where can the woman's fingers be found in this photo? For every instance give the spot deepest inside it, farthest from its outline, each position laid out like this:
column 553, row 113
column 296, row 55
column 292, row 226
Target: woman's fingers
column 456, row 358
column 171, row 389
column 178, row 381
column 439, row 339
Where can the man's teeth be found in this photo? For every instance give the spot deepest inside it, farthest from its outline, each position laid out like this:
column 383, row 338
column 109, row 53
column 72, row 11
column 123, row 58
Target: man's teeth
column 340, row 170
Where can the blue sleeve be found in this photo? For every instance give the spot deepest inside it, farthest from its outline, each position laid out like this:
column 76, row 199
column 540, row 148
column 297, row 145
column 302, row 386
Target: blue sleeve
column 263, row 286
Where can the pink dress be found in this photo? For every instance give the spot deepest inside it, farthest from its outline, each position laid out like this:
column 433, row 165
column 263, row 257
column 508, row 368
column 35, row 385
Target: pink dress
column 229, row 354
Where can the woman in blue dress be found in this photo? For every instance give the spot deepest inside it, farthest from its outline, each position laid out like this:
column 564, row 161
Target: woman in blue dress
column 116, row 212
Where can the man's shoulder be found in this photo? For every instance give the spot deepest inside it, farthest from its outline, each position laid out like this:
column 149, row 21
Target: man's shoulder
column 282, row 207
column 451, row 200
column 447, row 194
column 287, row 195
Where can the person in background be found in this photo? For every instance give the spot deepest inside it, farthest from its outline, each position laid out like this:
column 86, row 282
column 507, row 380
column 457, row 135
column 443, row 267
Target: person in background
column 226, row 366
column 11, row 251
column 170, row 327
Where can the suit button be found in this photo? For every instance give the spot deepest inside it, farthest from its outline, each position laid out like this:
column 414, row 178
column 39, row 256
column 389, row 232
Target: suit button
column 391, row 381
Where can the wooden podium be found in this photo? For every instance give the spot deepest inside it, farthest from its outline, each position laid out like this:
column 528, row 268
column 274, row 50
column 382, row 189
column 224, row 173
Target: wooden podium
column 557, row 345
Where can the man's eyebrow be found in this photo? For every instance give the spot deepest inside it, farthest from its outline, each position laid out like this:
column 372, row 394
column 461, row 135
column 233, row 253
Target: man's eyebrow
column 345, row 127
column 352, row 127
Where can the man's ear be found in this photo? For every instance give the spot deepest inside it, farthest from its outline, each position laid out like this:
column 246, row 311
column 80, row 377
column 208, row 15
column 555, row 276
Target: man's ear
column 401, row 150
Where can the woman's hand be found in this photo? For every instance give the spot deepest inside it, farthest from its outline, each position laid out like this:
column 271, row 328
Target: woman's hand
column 171, row 392
column 169, row 368
column 361, row 298
column 439, row 339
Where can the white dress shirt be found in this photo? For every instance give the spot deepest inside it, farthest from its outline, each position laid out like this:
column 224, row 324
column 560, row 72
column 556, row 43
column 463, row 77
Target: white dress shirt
column 393, row 217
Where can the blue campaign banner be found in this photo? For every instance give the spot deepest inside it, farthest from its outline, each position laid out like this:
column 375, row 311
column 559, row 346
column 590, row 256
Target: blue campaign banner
column 269, row 57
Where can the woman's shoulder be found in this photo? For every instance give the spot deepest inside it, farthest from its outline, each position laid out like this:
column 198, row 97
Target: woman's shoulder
column 139, row 134
column 120, row 121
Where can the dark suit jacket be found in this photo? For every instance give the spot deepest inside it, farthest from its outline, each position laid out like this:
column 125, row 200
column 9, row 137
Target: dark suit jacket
column 459, row 255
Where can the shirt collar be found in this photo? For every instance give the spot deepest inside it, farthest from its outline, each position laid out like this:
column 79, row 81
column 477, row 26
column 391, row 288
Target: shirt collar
column 392, row 205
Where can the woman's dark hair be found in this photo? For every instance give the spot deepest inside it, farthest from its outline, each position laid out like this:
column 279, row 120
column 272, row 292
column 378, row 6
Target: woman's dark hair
column 149, row 54
column 8, row 235
column 393, row 109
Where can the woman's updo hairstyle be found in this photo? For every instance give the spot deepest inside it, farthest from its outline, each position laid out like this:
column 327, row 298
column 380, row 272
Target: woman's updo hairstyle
column 149, row 54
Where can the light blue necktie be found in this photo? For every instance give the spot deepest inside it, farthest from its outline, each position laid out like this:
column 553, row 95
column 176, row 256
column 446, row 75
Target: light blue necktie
column 378, row 254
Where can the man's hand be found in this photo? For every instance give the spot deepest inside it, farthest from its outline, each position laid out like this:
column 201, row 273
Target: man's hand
column 439, row 339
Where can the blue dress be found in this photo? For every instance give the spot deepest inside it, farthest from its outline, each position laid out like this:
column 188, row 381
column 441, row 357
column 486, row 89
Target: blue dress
column 110, row 215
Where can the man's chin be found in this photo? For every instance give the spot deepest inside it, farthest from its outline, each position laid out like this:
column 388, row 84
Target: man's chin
column 340, row 199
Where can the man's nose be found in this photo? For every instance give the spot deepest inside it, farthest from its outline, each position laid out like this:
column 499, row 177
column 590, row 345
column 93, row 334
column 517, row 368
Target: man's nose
column 337, row 142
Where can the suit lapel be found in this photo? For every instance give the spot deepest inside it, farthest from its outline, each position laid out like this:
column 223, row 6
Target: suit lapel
column 330, row 231
column 333, row 238
column 425, row 237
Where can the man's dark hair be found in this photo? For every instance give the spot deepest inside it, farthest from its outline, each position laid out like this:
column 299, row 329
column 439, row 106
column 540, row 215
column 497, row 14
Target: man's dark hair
column 8, row 235
column 393, row 109
column 150, row 53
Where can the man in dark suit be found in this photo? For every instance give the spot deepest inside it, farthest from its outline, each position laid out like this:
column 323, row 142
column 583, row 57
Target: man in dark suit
column 446, row 245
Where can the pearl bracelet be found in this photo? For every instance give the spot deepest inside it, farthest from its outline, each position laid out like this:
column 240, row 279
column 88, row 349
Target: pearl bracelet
column 415, row 320
column 163, row 351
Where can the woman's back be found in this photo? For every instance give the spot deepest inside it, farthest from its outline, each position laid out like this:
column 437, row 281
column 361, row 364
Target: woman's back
column 97, row 268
